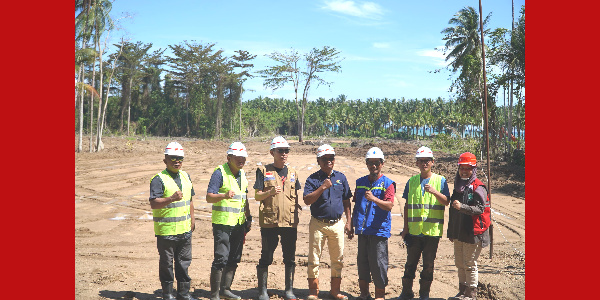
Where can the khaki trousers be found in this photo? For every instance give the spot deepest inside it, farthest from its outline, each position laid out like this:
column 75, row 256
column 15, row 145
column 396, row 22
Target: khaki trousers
column 465, row 259
column 318, row 233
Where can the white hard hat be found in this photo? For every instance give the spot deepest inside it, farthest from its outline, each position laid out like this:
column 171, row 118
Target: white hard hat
column 324, row 150
column 375, row 153
column 279, row 142
column 424, row 152
column 174, row 148
column 237, row 149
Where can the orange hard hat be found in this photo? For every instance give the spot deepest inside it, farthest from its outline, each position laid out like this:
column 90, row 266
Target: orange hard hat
column 467, row 158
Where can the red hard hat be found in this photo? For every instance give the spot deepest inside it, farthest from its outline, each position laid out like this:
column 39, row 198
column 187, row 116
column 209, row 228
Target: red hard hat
column 467, row 158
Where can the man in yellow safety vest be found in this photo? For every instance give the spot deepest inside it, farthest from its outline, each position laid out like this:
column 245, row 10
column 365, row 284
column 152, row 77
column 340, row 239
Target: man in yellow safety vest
column 227, row 191
column 171, row 194
column 426, row 196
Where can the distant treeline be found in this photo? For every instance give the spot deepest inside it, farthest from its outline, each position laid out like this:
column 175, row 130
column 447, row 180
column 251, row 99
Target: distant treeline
column 197, row 90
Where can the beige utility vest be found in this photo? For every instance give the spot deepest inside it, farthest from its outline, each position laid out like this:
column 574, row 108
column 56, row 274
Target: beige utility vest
column 280, row 210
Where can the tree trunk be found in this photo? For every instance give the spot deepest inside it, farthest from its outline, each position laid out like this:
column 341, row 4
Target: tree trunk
column 99, row 104
column 129, row 105
column 80, row 142
column 241, row 91
column 219, row 105
column 91, row 132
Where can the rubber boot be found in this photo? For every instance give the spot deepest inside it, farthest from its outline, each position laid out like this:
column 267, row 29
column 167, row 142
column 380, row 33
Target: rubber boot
column 215, row 283
column 363, row 285
column 336, row 282
column 379, row 293
column 313, row 289
column 461, row 292
column 183, row 291
column 407, row 292
column 262, row 275
column 167, row 290
column 289, row 283
column 226, row 280
column 424, row 286
column 470, row 293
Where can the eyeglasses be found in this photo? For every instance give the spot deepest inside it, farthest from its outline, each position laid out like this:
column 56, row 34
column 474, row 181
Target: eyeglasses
column 283, row 150
column 424, row 161
column 176, row 158
column 332, row 158
column 374, row 163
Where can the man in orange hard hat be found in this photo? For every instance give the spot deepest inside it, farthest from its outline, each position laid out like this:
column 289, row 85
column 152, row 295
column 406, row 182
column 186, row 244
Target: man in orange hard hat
column 468, row 224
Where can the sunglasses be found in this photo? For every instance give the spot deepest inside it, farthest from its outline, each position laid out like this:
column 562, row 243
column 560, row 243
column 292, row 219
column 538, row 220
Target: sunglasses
column 176, row 158
column 424, row 161
column 374, row 163
column 328, row 158
column 283, row 150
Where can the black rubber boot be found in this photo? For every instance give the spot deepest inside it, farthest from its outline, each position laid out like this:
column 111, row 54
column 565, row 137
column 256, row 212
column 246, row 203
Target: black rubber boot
column 215, row 283
column 461, row 292
column 424, row 286
column 470, row 293
column 183, row 291
column 167, row 290
column 226, row 280
column 262, row 274
column 289, row 283
column 407, row 292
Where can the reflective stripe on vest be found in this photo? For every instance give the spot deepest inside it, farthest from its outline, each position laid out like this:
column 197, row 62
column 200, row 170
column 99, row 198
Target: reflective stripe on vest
column 368, row 217
column 174, row 218
column 230, row 211
column 425, row 213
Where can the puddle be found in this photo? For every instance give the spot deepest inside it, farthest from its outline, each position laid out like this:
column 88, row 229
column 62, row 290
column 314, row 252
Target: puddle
column 147, row 216
column 501, row 214
column 119, row 217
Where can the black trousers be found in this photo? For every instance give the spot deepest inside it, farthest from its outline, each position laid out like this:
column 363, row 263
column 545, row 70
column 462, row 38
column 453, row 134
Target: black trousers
column 270, row 240
column 228, row 245
column 417, row 245
column 372, row 259
column 180, row 250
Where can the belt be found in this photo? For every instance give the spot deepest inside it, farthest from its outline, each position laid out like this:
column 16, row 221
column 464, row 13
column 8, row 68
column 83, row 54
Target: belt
column 328, row 221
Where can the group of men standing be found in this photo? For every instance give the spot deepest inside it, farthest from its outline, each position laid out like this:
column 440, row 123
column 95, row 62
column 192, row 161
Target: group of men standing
column 329, row 196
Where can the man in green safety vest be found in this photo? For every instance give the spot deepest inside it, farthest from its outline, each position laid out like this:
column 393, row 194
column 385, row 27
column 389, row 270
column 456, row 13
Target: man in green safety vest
column 426, row 196
column 171, row 193
column 227, row 191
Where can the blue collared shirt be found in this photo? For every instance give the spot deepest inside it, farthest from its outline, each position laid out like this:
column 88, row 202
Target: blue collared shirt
column 329, row 205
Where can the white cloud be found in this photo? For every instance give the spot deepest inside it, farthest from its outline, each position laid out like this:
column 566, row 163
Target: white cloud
column 368, row 10
column 438, row 56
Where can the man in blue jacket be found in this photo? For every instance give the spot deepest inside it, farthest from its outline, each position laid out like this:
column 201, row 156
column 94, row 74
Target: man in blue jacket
column 372, row 221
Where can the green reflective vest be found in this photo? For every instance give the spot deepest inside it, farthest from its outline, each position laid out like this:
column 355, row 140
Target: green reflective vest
column 230, row 211
column 425, row 213
column 174, row 218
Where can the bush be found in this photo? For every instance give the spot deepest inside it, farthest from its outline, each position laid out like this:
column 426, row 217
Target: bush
column 455, row 145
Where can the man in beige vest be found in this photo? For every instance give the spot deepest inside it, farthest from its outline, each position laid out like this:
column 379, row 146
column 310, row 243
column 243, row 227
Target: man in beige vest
column 276, row 188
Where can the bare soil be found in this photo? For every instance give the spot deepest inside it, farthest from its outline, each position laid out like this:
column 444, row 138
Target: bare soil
column 115, row 247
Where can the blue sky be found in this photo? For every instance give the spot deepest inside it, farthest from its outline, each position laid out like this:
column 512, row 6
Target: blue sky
column 387, row 46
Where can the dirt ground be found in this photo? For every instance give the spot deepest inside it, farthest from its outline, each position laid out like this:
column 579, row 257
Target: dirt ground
column 115, row 247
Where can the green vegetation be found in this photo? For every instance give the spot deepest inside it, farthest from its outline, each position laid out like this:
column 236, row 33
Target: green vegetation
column 197, row 91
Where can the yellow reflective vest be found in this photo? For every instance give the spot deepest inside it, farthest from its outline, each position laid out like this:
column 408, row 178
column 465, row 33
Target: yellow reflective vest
column 230, row 211
column 425, row 212
column 174, row 218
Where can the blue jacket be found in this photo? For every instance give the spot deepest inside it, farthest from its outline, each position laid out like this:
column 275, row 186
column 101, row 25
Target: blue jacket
column 368, row 218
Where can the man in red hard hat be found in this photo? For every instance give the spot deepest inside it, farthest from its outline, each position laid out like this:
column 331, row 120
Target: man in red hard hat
column 468, row 224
